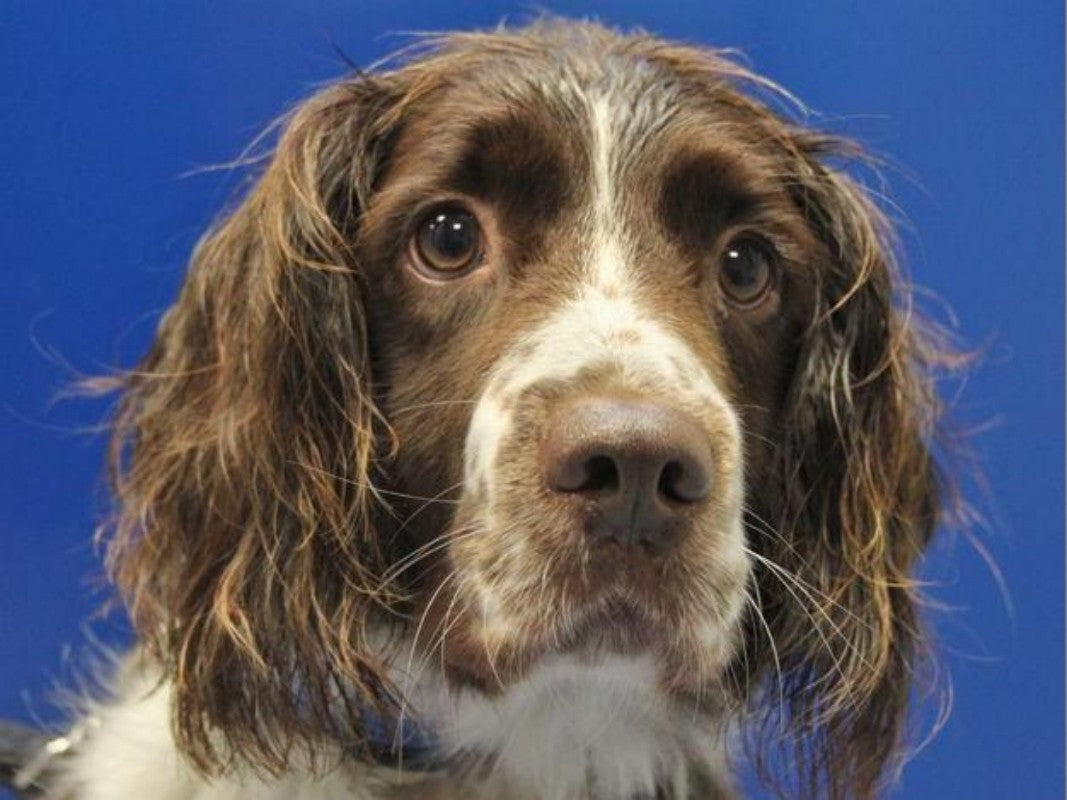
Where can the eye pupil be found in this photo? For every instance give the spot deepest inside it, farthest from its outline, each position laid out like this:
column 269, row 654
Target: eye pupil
column 742, row 269
column 452, row 235
column 448, row 240
column 745, row 273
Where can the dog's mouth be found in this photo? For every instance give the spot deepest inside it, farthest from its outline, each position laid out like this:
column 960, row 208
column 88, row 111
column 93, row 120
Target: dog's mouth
column 610, row 626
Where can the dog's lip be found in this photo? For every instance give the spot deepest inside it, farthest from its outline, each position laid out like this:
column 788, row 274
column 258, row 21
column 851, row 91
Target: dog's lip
column 608, row 626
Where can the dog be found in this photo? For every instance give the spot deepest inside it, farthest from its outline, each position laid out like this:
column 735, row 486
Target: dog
column 549, row 420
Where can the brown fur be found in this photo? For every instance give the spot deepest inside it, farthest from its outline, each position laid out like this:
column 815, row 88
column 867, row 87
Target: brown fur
column 281, row 424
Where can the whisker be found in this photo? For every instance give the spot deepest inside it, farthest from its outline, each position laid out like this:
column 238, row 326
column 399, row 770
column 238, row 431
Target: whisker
column 429, row 501
column 783, row 575
column 411, row 679
column 810, row 591
column 756, row 603
column 426, row 550
column 376, row 489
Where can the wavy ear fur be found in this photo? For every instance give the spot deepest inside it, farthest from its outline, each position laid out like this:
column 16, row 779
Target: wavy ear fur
column 860, row 495
column 243, row 457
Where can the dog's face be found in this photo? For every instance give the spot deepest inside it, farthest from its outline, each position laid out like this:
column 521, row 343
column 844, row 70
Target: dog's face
column 549, row 342
column 589, row 291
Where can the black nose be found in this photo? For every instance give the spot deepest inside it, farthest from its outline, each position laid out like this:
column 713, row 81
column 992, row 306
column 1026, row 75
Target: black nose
column 635, row 466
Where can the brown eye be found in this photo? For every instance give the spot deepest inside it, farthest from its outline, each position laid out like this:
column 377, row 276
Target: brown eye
column 746, row 272
column 447, row 242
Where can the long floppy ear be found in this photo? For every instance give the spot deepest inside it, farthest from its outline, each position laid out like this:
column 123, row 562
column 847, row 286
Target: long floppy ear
column 243, row 454
column 859, row 495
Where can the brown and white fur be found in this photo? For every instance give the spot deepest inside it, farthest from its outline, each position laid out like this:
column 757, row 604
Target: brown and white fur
column 346, row 477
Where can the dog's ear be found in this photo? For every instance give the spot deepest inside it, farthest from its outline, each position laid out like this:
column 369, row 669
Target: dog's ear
column 243, row 456
column 859, row 493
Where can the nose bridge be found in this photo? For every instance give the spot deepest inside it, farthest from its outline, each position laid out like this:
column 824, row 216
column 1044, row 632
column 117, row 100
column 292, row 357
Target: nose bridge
column 604, row 335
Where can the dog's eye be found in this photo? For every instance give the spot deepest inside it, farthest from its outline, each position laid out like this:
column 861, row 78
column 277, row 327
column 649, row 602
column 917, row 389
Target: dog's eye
column 447, row 242
column 746, row 272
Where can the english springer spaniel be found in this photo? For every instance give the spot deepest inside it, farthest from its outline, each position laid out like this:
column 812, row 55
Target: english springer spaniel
column 548, row 421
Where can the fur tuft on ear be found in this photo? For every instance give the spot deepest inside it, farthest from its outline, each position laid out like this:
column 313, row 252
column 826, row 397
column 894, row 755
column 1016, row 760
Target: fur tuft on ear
column 243, row 459
column 855, row 496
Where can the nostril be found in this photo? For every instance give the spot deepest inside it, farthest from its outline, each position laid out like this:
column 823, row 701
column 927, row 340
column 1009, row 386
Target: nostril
column 602, row 475
column 684, row 483
column 598, row 474
column 669, row 480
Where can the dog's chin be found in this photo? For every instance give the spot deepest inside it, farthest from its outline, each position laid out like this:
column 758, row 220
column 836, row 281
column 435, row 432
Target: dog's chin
column 608, row 630
column 612, row 627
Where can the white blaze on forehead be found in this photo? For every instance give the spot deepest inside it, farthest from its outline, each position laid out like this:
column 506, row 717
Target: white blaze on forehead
column 607, row 261
column 602, row 156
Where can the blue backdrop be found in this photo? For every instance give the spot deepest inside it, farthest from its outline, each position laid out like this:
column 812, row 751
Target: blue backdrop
column 106, row 107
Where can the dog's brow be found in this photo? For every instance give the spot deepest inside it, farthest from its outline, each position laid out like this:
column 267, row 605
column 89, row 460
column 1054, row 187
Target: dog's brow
column 704, row 191
column 513, row 161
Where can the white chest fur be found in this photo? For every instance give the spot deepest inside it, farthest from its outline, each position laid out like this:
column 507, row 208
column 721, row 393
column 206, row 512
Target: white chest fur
column 576, row 728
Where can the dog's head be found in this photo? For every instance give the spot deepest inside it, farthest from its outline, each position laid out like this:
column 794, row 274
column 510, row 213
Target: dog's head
column 548, row 341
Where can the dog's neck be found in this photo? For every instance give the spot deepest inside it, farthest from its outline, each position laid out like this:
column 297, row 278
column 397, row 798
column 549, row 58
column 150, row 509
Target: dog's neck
column 575, row 727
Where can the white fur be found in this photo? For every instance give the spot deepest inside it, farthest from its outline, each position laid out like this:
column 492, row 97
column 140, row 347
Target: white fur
column 578, row 727
column 129, row 750
column 129, row 753
column 603, row 146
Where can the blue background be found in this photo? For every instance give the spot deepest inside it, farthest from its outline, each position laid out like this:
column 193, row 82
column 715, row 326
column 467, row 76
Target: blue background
column 106, row 105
